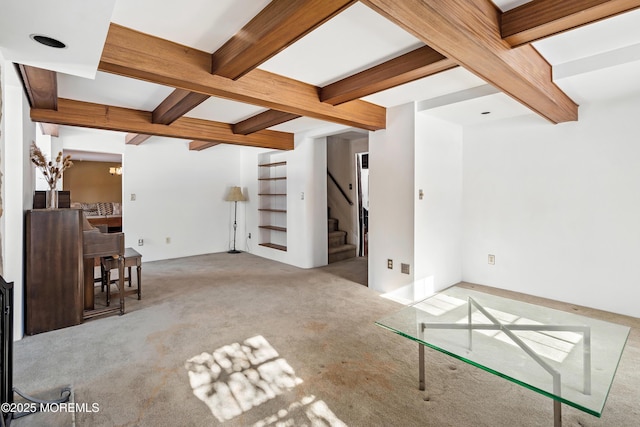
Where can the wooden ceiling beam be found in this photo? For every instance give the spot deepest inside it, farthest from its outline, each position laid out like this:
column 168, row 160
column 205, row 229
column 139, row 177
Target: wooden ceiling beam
column 406, row 68
column 135, row 138
column 132, row 54
column 201, row 145
column 468, row 32
column 176, row 105
column 543, row 18
column 277, row 26
column 262, row 121
column 85, row 114
column 40, row 86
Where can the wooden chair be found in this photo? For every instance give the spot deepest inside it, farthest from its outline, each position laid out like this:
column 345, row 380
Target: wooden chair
column 131, row 258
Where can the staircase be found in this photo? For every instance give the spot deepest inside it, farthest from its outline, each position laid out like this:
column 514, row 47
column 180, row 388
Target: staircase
column 339, row 249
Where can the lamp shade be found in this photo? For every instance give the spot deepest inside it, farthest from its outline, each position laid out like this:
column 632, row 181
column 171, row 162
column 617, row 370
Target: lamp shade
column 235, row 195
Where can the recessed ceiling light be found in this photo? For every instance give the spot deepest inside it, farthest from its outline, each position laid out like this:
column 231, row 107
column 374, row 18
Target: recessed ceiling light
column 486, row 112
column 48, row 41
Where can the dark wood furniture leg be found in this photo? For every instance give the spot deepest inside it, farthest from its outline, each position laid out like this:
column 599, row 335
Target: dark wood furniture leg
column 139, row 271
column 89, row 299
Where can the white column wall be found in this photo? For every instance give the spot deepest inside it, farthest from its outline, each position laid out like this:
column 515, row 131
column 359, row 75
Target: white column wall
column 438, row 216
column 558, row 205
column 17, row 185
column 391, row 199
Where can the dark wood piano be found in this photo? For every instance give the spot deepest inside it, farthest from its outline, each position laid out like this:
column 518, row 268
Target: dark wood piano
column 61, row 248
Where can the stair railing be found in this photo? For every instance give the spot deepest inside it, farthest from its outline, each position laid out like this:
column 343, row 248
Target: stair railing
column 339, row 188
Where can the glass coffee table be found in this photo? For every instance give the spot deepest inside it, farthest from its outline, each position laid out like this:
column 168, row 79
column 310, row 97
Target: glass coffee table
column 569, row 358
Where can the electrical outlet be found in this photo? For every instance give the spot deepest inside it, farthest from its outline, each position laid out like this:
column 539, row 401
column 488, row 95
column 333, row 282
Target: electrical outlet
column 140, row 242
column 133, row 197
column 492, row 259
column 168, row 240
column 390, row 264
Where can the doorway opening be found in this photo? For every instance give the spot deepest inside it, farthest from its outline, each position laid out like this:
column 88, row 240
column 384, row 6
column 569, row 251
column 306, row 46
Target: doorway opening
column 95, row 186
column 348, row 205
column 362, row 197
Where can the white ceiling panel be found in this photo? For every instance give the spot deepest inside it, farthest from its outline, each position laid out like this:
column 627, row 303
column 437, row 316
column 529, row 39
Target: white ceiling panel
column 453, row 80
column 613, row 33
column 224, row 110
column 355, row 40
column 202, row 24
column 302, row 124
column 110, row 89
column 81, row 25
column 480, row 110
column 604, row 84
column 505, row 5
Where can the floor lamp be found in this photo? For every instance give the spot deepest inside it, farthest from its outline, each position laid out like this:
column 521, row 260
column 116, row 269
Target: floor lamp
column 235, row 195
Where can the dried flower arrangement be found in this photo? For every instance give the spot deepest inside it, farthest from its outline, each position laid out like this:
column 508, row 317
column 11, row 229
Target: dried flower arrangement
column 51, row 171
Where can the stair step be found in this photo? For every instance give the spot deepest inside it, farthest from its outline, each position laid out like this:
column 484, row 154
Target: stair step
column 337, row 238
column 342, row 252
column 333, row 224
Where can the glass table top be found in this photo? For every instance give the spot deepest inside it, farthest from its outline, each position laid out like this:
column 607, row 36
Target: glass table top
column 568, row 357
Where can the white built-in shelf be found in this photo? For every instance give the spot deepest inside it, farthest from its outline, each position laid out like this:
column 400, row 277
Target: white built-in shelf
column 272, row 189
column 271, row 165
column 273, row 227
column 273, row 210
column 274, row 246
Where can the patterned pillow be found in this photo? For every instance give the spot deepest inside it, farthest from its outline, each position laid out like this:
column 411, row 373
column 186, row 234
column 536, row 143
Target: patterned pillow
column 90, row 209
column 105, row 208
column 117, row 209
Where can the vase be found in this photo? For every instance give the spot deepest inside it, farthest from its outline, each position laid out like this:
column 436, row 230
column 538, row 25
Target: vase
column 52, row 198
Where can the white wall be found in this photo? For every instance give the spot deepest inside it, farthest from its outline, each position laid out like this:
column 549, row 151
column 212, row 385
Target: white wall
column 415, row 152
column 92, row 140
column 17, row 185
column 391, row 199
column 306, row 203
column 558, row 206
column 179, row 193
column 438, row 216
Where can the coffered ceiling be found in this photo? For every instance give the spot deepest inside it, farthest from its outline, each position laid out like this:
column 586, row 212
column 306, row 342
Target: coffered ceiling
column 253, row 72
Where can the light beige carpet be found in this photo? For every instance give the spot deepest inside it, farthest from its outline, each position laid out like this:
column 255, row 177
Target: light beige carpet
column 237, row 340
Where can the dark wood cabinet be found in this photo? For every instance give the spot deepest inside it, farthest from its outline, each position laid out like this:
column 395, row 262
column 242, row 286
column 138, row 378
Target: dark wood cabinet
column 53, row 269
